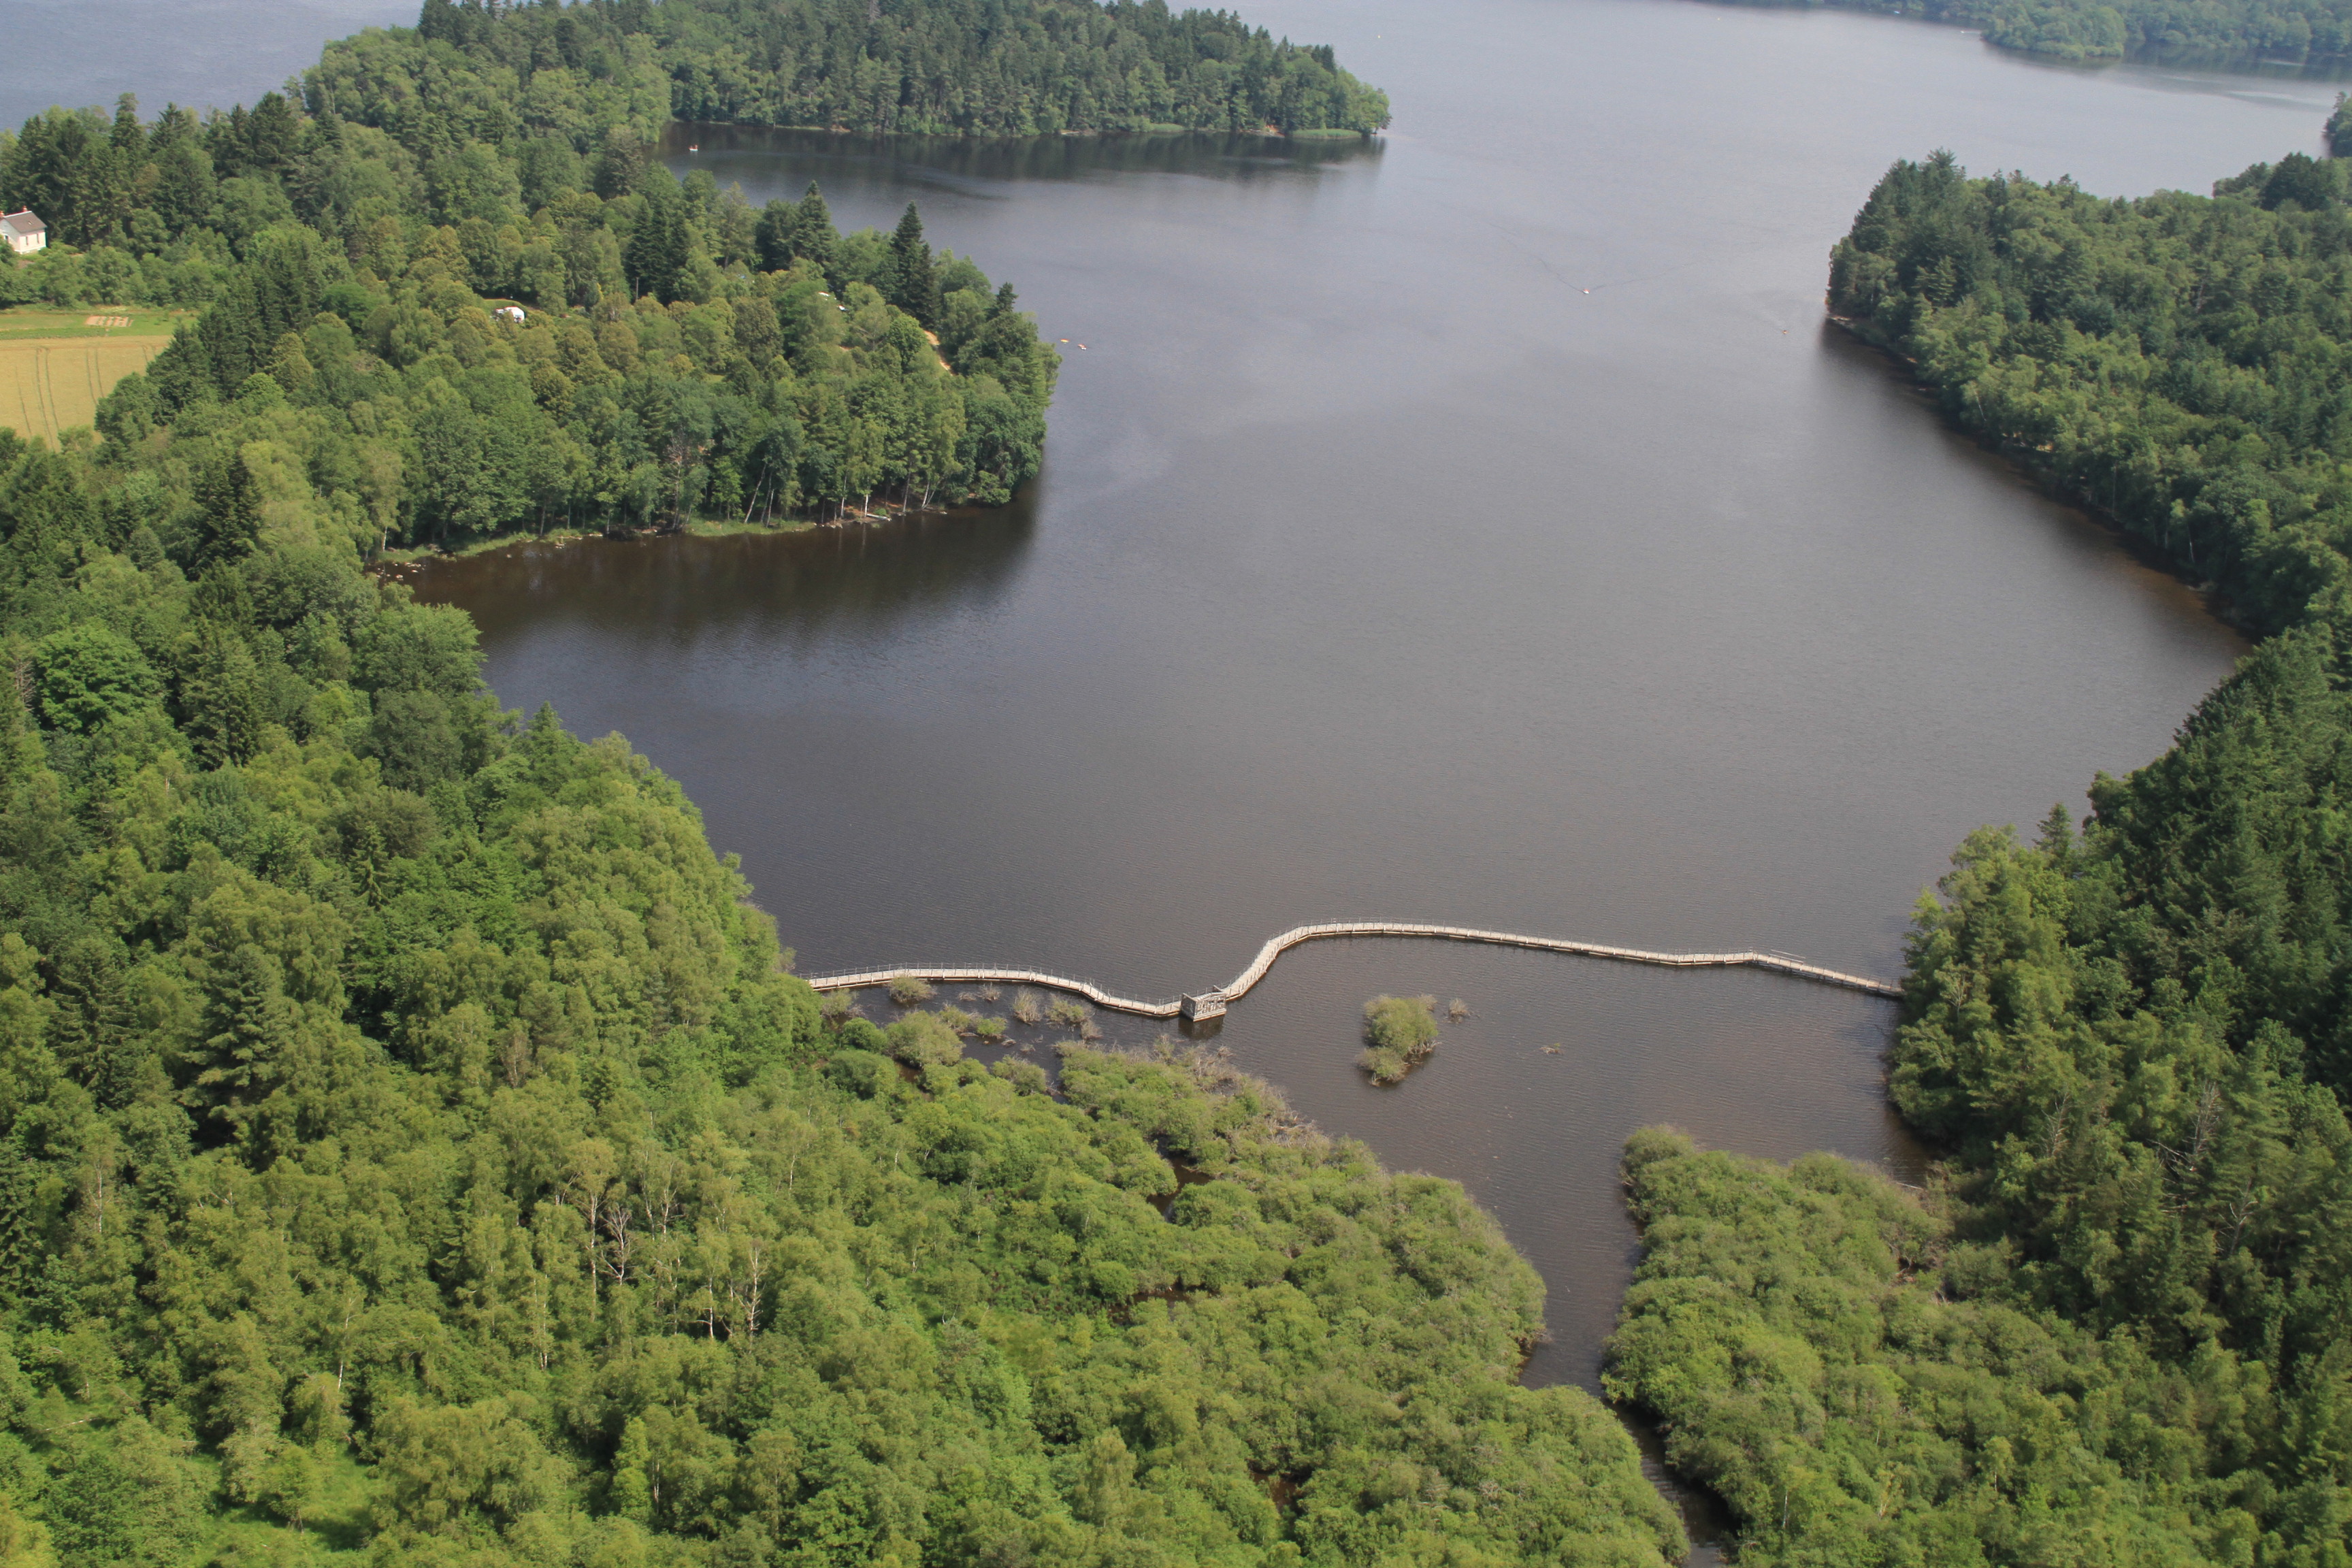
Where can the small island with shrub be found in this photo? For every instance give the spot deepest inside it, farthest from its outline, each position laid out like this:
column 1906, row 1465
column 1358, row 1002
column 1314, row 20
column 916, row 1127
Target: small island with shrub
column 1402, row 1031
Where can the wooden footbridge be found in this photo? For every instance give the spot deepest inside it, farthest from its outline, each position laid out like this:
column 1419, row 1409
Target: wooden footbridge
column 1211, row 1004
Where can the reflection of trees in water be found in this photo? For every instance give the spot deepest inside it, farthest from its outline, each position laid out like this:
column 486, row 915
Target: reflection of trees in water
column 760, row 157
column 825, row 584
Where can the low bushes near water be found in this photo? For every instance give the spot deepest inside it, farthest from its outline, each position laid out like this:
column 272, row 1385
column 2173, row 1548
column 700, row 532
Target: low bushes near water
column 907, row 990
column 1028, row 1006
column 1863, row 1386
column 1026, row 1076
column 922, row 1040
column 1402, row 1031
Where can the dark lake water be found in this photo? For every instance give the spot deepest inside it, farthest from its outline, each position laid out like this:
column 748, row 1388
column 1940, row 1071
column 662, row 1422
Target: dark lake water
column 202, row 54
column 1480, row 526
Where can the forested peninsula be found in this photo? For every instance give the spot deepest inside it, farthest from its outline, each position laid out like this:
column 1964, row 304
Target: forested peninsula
column 457, row 338
column 999, row 68
column 679, row 355
column 2109, row 29
column 2116, row 1327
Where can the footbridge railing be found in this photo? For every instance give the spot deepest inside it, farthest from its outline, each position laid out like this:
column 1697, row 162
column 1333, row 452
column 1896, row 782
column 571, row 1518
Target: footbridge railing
column 960, row 972
column 1210, row 1004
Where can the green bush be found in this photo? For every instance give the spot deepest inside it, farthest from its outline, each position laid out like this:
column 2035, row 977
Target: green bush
column 1402, row 1031
column 1791, row 1330
column 923, row 1039
column 862, row 1073
column 86, row 675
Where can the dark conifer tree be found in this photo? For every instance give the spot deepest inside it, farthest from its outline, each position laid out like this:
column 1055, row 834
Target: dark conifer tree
column 129, row 139
column 913, row 284
column 661, row 243
column 231, row 524
column 224, row 701
column 21, row 1243
column 219, row 599
column 272, row 135
column 245, row 1032
column 621, row 163
column 173, row 128
column 771, row 237
column 233, row 335
column 183, row 372
column 226, row 138
column 47, row 505
column 813, row 231
column 446, row 21
column 39, row 171
column 93, row 1018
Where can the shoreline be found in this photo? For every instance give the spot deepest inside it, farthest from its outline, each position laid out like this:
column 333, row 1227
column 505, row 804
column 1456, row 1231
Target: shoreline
column 411, row 556
column 1264, row 133
column 2021, row 460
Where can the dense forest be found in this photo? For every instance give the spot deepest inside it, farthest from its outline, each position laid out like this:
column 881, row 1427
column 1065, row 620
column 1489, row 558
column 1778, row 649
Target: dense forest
column 2183, row 364
column 680, row 355
column 2116, row 1327
column 999, row 68
column 2108, row 29
column 1816, row 1369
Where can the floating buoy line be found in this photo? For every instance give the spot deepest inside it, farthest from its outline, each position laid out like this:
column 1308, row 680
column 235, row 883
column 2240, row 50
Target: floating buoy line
column 1211, row 1004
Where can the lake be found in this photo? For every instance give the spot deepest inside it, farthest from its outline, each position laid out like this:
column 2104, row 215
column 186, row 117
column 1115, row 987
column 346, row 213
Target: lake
column 1480, row 526
column 1380, row 570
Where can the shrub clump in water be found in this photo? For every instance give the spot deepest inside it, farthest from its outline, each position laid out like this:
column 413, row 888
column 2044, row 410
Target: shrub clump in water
column 1402, row 1031
column 905, row 990
column 923, row 1040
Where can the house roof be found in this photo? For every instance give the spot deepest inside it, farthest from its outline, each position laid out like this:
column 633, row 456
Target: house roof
column 24, row 222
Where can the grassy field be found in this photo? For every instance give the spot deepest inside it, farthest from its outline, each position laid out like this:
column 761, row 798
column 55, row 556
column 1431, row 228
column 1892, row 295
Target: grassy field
column 49, row 384
column 22, row 321
column 56, row 365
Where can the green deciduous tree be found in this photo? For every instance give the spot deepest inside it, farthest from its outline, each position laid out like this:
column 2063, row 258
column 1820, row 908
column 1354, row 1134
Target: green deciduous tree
column 88, row 674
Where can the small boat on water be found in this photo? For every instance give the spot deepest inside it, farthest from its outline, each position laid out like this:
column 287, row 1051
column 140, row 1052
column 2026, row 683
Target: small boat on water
column 694, row 146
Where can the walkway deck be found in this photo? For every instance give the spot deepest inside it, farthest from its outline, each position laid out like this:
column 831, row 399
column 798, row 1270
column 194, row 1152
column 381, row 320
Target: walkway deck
column 1779, row 962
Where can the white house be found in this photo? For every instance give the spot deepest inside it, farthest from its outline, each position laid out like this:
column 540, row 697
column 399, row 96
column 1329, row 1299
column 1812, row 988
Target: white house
column 24, row 232
column 509, row 313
